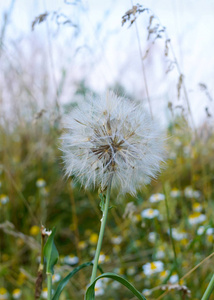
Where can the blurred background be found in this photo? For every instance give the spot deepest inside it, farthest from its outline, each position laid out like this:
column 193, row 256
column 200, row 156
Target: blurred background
column 54, row 53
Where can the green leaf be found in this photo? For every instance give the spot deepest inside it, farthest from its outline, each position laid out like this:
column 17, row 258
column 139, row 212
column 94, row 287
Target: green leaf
column 64, row 281
column 90, row 294
column 50, row 253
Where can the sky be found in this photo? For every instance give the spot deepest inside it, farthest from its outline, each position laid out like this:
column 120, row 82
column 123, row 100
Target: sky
column 93, row 45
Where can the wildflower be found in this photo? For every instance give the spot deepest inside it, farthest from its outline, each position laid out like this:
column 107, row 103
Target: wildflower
column 34, row 230
column 164, row 274
column 173, row 278
column 210, row 235
column 131, row 271
column 156, row 198
column 112, row 138
column 71, row 259
column 190, row 193
column 44, row 231
column 175, row 193
column 153, row 267
column 44, row 293
column 201, row 230
column 152, row 237
column 16, row 293
column 56, row 277
column 40, row 183
column 3, row 294
column 196, row 218
column 116, row 240
column 82, row 245
column 93, row 238
column 197, row 206
column 149, row 213
column 146, row 292
column 160, row 252
column 99, row 288
column 4, row 199
column 178, row 235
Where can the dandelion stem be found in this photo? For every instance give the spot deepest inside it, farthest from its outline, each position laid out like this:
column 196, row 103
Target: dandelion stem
column 101, row 234
column 49, row 284
column 209, row 289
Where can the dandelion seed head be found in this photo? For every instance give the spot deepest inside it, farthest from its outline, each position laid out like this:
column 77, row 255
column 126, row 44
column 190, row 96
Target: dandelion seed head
column 112, row 138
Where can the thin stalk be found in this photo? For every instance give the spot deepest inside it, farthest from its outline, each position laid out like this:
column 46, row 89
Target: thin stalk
column 209, row 289
column 170, row 231
column 49, row 281
column 101, row 234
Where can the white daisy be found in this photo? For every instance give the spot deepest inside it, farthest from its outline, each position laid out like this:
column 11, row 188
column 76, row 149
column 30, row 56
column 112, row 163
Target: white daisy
column 156, row 197
column 150, row 213
column 153, row 267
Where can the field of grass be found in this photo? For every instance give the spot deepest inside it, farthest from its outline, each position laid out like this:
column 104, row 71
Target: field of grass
column 161, row 240
column 137, row 243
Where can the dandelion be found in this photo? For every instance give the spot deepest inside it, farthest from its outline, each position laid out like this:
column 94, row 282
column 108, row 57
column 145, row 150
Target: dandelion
column 111, row 142
column 156, row 198
column 112, row 138
column 196, row 218
column 153, row 267
column 150, row 213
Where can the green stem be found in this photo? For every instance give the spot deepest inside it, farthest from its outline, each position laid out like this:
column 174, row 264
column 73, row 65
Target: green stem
column 209, row 289
column 49, row 281
column 102, row 229
column 170, row 231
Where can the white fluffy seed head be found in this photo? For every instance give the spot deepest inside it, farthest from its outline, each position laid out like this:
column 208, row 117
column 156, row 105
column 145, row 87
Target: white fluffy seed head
column 112, row 137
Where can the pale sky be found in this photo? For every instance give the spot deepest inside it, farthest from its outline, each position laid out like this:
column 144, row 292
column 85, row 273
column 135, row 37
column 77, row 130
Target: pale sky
column 103, row 52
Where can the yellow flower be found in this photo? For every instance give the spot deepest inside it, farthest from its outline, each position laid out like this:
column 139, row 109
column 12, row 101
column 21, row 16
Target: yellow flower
column 35, row 230
column 3, row 294
column 93, row 238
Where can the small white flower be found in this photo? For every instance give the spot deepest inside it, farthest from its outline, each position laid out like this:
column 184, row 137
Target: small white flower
column 44, row 231
column 156, row 198
column 152, row 237
column 56, row 277
column 190, row 193
column 146, row 292
column 196, row 218
column 71, row 260
column 210, row 231
column 153, row 267
column 99, row 288
column 197, row 206
column 201, row 230
column 112, row 138
column 16, row 293
column 40, row 183
column 4, row 199
column 150, row 213
column 160, row 253
column 175, row 193
column 131, row 271
column 3, row 294
column 178, row 235
column 116, row 240
column 174, row 278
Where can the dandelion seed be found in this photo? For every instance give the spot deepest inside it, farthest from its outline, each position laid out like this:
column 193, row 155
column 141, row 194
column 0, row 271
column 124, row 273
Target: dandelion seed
column 112, row 138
